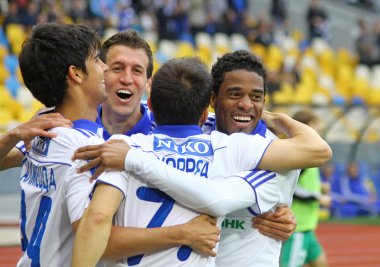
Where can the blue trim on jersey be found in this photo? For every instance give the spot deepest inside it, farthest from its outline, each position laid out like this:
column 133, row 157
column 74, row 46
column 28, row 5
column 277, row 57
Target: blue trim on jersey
column 144, row 126
column 21, row 146
column 256, row 178
column 103, row 182
column 180, row 131
column 260, row 129
column 83, row 124
column 54, row 162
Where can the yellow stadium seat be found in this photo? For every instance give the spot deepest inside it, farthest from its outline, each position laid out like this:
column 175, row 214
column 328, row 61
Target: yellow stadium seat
column 259, row 50
column 274, row 58
column 3, row 52
column 16, row 35
column 5, row 118
column 184, row 49
column 297, row 35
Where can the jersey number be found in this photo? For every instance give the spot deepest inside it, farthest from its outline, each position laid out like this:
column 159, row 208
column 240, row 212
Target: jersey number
column 157, row 196
column 32, row 248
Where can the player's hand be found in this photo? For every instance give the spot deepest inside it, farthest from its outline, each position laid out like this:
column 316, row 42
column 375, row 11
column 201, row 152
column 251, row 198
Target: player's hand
column 325, row 200
column 271, row 120
column 107, row 156
column 202, row 234
column 279, row 225
column 39, row 126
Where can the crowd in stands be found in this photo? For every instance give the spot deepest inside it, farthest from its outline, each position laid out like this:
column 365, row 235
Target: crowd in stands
column 303, row 69
column 354, row 189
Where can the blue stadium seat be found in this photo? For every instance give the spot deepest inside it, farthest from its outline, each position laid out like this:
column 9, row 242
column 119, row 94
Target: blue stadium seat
column 11, row 63
column 13, row 84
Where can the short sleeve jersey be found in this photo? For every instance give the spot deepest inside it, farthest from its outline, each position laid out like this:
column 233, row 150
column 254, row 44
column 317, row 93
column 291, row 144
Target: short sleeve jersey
column 240, row 244
column 53, row 195
column 185, row 148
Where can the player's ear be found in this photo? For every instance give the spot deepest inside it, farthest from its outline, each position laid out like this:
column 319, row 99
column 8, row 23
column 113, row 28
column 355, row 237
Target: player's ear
column 203, row 117
column 149, row 103
column 74, row 74
column 148, row 86
column 213, row 100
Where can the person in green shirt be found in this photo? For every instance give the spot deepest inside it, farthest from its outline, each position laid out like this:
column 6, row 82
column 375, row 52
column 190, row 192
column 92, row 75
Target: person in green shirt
column 303, row 246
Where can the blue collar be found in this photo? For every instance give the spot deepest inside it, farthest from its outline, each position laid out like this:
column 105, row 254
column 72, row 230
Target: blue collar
column 179, row 131
column 87, row 125
column 143, row 126
column 260, row 129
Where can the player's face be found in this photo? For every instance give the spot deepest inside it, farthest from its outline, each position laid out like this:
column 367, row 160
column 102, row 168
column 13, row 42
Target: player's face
column 95, row 79
column 126, row 79
column 240, row 102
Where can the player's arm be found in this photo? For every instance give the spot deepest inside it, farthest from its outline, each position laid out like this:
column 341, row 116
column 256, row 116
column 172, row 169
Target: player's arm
column 279, row 225
column 95, row 226
column 201, row 234
column 12, row 157
column 303, row 149
column 215, row 197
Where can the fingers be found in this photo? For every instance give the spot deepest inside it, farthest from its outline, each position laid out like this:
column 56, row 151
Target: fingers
column 89, row 148
column 90, row 165
column 280, row 211
column 211, row 219
column 84, row 154
column 97, row 173
column 47, row 134
column 279, row 231
column 279, row 237
column 114, row 141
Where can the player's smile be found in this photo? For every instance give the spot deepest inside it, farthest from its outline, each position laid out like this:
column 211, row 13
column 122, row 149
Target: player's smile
column 242, row 118
column 124, row 94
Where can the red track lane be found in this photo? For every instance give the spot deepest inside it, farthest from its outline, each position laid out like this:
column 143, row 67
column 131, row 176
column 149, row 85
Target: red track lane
column 345, row 245
column 350, row 245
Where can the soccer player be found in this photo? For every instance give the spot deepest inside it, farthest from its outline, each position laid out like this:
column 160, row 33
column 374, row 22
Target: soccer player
column 60, row 65
column 239, row 89
column 177, row 115
column 131, row 64
column 303, row 246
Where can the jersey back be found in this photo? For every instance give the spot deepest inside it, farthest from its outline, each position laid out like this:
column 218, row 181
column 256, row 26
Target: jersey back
column 146, row 206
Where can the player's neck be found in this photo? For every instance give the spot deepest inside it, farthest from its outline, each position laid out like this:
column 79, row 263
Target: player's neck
column 75, row 110
column 119, row 123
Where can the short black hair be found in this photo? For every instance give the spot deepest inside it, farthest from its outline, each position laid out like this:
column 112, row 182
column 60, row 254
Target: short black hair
column 181, row 91
column 48, row 53
column 129, row 38
column 238, row 60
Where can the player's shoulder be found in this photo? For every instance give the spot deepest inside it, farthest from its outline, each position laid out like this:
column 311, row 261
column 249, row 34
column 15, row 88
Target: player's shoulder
column 270, row 135
column 209, row 124
column 84, row 133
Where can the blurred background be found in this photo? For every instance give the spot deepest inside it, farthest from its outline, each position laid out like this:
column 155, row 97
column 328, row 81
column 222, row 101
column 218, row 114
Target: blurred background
column 321, row 55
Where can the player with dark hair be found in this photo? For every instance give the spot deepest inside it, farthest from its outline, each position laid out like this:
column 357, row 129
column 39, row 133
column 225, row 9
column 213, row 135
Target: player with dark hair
column 181, row 145
column 60, row 65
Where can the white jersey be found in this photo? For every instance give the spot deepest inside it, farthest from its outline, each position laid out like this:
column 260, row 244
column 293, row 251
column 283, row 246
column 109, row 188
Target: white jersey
column 53, row 195
column 185, row 149
column 241, row 245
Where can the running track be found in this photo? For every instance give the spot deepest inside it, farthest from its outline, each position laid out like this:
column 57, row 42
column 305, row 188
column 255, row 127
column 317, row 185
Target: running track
column 345, row 245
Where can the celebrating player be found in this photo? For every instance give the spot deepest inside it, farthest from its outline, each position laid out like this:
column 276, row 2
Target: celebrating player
column 60, row 65
column 185, row 148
